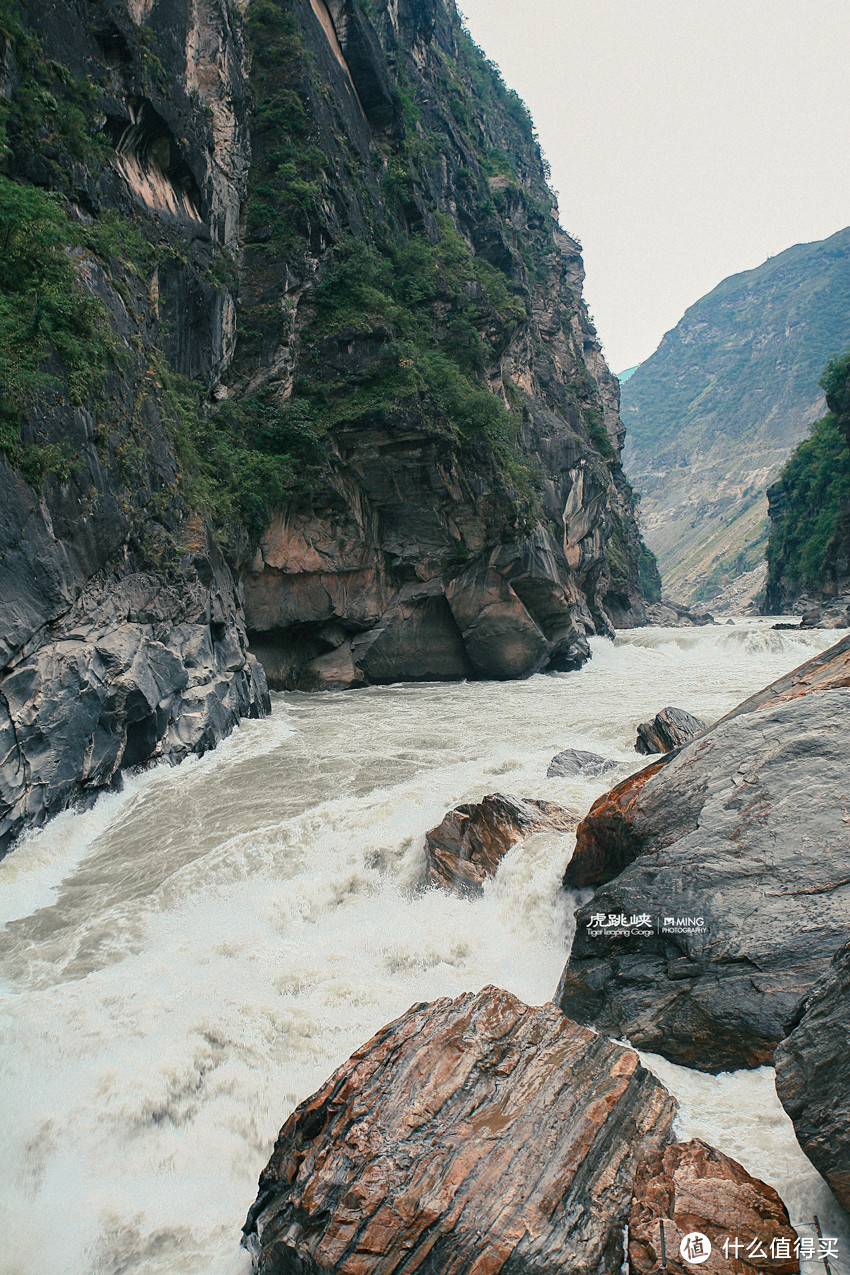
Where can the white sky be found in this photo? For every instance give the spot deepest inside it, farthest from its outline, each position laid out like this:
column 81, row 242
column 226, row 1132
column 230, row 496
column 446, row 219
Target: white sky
column 689, row 139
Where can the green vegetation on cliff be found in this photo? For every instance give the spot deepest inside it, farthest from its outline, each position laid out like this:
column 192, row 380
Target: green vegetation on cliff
column 810, row 503
column 715, row 412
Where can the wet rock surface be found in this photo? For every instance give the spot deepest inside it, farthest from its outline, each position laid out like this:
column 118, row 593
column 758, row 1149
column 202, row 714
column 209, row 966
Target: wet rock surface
column 690, row 1186
column 468, row 846
column 675, row 615
column 813, row 1077
column 468, row 1135
column 574, row 761
column 669, row 729
column 738, row 849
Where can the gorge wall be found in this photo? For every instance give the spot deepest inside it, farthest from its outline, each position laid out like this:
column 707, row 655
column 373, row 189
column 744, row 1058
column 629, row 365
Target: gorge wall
column 295, row 364
column 716, row 411
column 808, row 553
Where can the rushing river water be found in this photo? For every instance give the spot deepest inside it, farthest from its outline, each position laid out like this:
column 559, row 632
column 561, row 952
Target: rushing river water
column 183, row 963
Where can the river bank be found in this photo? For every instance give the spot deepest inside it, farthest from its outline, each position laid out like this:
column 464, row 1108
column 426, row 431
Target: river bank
column 186, row 961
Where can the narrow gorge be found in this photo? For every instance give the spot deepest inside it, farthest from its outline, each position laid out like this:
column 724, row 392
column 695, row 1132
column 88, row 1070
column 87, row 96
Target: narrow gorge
column 299, row 387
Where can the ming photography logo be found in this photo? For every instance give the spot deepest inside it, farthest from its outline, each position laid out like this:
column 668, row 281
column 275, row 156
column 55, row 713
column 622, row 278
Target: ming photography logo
column 642, row 925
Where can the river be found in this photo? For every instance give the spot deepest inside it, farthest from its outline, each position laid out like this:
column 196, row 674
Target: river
column 185, row 961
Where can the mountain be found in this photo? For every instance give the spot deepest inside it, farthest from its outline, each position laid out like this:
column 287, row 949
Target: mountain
column 808, row 553
column 715, row 412
column 294, row 364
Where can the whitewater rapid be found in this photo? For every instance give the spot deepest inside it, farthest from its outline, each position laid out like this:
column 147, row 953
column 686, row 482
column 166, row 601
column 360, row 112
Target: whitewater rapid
column 186, row 961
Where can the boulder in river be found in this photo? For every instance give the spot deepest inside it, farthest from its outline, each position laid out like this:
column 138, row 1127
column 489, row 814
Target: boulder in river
column 470, row 1135
column 737, row 849
column 470, row 843
column 691, row 1187
column 669, row 729
column 574, row 761
column 813, row 1077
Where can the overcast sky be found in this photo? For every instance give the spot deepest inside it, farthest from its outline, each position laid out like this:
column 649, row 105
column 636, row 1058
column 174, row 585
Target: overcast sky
column 689, row 139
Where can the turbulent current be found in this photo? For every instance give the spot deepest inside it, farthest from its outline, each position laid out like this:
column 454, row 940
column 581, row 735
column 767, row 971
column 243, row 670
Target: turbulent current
column 184, row 962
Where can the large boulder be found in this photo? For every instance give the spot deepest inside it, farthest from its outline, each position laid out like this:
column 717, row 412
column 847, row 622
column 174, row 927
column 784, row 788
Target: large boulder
column 470, row 1135
column 470, row 843
column 669, row 729
column 813, row 1077
column 737, row 850
column 691, row 1187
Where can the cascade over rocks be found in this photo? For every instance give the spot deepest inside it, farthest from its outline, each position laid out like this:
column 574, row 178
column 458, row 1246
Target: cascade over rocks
column 669, row 729
column 468, row 1135
column 739, row 849
column 813, row 1077
column 690, row 1186
column 470, row 843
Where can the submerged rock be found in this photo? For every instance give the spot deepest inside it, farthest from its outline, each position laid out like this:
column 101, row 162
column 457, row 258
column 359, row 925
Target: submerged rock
column 470, row 843
column 689, row 1187
column 573, row 761
column 738, row 849
column 669, row 729
column 813, row 1077
column 468, row 1135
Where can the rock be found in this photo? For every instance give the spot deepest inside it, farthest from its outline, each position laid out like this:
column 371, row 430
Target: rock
column 813, row 1077
column 675, row 615
column 468, row 1135
column 669, row 729
column 740, row 841
column 501, row 637
column 139, row 669
column 693, row 1187
column 811, row 619
column 334, row 671
column 573, row 761
column 416, row 640
column 470, row 843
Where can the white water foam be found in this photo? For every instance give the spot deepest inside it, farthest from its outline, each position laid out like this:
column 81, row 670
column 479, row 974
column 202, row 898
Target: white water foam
column 183, row 963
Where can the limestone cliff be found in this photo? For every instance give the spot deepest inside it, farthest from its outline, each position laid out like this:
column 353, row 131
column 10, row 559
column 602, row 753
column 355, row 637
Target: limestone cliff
column 293, row 354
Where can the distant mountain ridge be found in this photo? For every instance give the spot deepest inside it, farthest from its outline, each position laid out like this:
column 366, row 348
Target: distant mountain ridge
column 715, row 412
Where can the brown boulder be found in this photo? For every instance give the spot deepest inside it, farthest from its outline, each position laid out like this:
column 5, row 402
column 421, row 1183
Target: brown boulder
column 693, row 1187
column 474, row 1136
column 470, row 843
column 605, row 841
column 669, row 729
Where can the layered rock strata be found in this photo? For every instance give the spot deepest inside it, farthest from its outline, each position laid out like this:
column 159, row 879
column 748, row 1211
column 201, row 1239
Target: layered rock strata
column 738, row 849
column 470, row 843
column 813, row 1077
column 691, row 1187
column 468, row 1135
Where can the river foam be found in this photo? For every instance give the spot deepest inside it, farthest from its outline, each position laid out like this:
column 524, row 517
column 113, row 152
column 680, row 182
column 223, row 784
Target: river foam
column 183, row 963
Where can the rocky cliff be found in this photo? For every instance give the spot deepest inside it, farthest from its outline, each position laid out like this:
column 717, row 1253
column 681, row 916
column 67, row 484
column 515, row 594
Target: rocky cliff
column 715, row 412
column 808, row 553
column 294, row 364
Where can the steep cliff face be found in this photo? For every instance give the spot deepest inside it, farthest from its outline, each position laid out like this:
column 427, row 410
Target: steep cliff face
column 416, row 306
column 716, row 411
column 293, row 354
column 122, row 636
column 808, row 552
